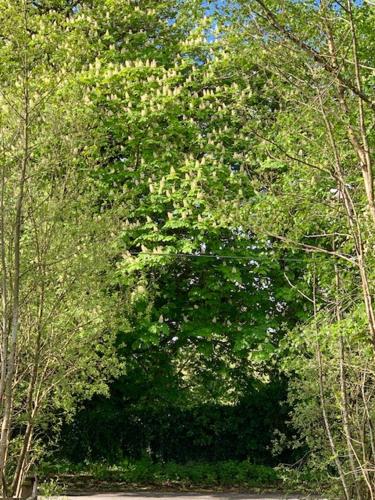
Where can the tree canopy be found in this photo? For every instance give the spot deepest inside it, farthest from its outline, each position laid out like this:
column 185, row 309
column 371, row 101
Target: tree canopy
column 186, row 234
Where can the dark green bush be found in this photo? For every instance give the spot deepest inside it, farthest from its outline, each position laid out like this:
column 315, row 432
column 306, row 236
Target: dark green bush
column 110, row 429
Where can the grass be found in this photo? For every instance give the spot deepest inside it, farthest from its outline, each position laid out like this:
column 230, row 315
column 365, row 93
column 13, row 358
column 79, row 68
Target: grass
column 147, row 473
column 198, row 476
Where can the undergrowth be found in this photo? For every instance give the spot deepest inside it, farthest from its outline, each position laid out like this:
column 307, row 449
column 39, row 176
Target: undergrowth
column 146, row 473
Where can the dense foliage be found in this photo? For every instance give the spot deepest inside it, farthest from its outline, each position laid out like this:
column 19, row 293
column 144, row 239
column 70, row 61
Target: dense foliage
column 145, row 472
column 187, row 220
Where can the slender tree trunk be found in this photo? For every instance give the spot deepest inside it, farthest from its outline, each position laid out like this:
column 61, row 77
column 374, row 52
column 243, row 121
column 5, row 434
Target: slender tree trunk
column 371, row 435
column 327, row 425
column 353, row 224
column 359, row 142
column 32, row 394
column 21, row 467
column 4, row 291
column 15, row 306
column 323, row 403
column 363, row 149
column 343, row 386
column 32, row 408
column 367, row 411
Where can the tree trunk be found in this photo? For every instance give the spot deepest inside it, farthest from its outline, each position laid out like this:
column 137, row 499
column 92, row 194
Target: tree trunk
column 15, row 307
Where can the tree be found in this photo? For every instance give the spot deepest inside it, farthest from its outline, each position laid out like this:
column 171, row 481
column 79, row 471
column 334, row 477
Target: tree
column 313, row 172
column 175, row 155
column 54, row 242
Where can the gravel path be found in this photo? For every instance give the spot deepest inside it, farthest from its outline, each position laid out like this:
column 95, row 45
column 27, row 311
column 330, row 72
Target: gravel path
column 184, row 496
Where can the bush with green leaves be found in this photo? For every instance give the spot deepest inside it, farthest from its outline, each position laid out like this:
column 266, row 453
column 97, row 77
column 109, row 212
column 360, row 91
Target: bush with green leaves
column 193, row 474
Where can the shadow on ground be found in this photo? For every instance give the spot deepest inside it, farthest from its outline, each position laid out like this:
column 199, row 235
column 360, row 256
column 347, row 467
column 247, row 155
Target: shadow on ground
column 140, row 495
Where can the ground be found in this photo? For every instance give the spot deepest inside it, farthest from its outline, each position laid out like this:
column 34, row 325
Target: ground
column 184, row 496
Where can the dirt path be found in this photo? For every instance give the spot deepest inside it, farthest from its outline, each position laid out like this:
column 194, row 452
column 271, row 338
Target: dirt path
column 184, row 496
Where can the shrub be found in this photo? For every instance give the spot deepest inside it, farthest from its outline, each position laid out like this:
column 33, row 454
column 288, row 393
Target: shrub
column 199, row 474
